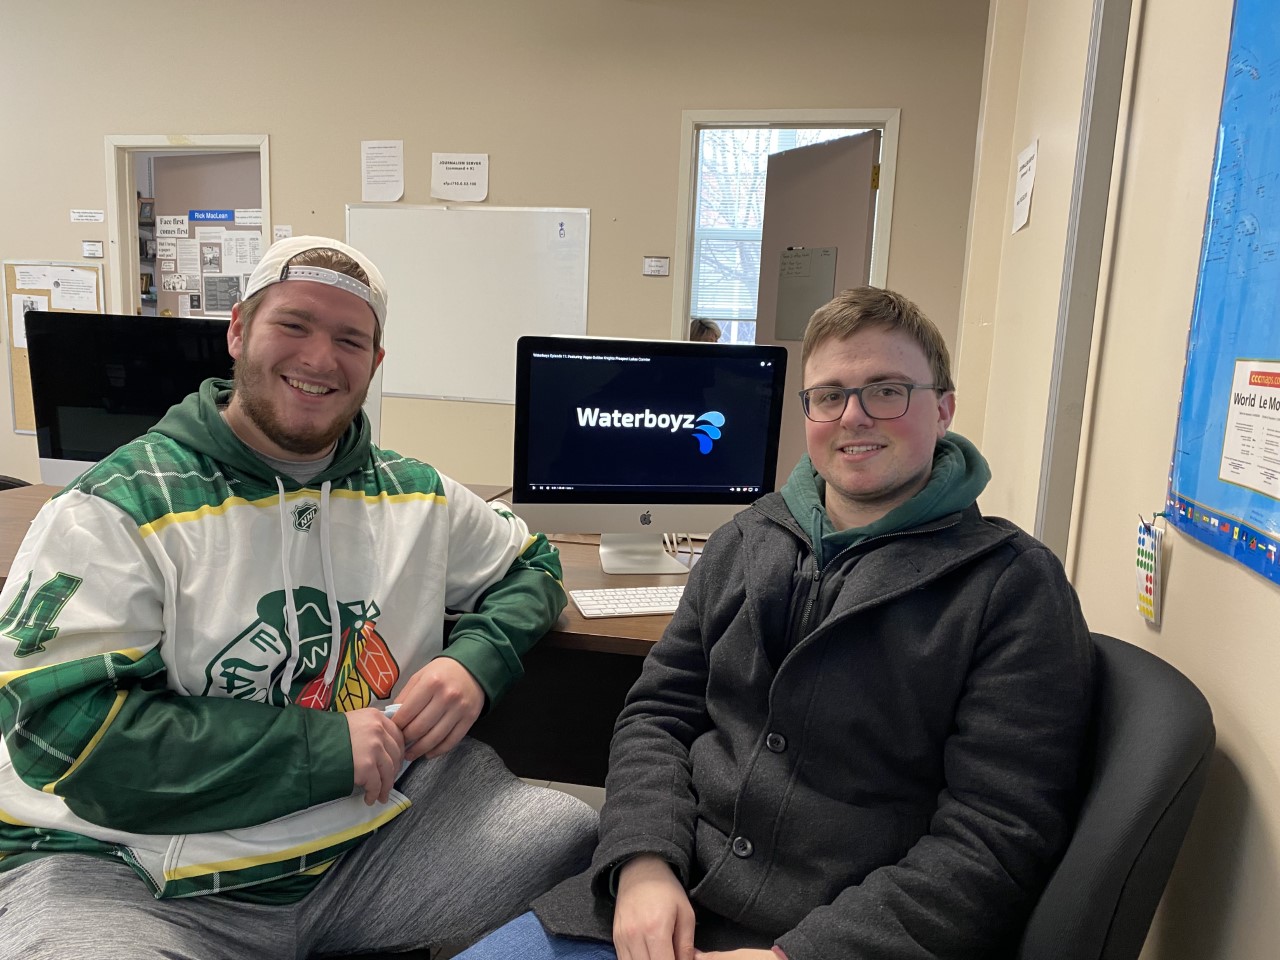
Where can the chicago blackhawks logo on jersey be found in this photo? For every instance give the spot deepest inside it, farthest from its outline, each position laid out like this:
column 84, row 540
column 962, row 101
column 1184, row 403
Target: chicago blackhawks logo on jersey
column 251, row 667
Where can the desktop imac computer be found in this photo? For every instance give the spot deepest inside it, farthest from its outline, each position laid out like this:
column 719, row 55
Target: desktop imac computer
column 100, row 380
column 630, row 438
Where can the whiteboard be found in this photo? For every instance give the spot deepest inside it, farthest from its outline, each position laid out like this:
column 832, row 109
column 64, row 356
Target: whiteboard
column 463, row 283
column 806, row 280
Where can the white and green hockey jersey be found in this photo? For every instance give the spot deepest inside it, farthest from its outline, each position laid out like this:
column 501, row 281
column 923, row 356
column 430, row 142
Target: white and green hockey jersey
column 182, row 628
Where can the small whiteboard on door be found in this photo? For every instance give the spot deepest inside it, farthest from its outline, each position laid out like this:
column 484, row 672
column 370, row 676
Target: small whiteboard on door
column 806, row 280
column 464, row 283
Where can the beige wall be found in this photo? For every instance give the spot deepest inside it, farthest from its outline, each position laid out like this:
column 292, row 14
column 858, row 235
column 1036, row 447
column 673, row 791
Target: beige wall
column 1218, row 618
column 1222, row 904
column 577, row 102
column 989, row 213
column 1011, row 296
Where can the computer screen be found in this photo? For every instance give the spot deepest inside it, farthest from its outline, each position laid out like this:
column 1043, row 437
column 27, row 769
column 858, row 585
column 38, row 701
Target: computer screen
column 638, row 437
column 100, row 380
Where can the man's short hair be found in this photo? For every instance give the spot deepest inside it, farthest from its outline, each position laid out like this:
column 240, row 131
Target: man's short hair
column 862, row 308
column 326, row 257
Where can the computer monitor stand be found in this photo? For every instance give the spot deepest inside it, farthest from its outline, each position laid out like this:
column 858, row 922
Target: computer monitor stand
column 637, row 553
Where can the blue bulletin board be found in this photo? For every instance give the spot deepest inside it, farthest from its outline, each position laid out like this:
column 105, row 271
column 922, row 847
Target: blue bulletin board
column 1224, row 483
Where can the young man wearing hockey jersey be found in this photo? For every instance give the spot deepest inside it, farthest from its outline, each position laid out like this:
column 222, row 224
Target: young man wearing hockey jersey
column 222, row 644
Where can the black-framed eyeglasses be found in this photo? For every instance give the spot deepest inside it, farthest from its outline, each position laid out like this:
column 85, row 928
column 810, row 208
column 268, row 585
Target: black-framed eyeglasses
column 880, row 401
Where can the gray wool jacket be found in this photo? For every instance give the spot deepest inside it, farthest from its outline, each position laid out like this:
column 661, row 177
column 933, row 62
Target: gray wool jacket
column 875, row 757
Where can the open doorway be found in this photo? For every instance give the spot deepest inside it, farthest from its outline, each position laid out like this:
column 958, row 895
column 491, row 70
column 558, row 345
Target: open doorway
column 130, row 173
column 201, row 269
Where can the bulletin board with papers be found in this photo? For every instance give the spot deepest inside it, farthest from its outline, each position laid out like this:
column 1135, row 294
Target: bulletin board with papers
column 1224, row 482
column 41, row 285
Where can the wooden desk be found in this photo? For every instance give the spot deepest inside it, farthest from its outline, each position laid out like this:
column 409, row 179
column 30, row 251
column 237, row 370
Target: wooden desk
column 556, row 723
column 625, row 635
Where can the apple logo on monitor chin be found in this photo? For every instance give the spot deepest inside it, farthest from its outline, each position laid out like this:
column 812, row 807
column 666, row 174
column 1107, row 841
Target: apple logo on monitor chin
column 646, row 518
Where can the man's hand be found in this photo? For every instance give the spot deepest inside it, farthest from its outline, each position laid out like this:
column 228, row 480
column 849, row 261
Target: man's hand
column 653, row 919
column 377, row 747
column 437, row 707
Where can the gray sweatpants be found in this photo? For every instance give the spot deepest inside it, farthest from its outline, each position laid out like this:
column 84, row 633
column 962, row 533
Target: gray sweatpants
column 471, row 852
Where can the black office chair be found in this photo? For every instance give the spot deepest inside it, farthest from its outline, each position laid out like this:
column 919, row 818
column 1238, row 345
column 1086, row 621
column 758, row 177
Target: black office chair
column 1153, row 740
column 10, row 483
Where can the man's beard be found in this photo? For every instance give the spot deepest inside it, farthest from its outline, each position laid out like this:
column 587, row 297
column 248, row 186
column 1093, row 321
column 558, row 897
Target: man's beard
column 249, row 389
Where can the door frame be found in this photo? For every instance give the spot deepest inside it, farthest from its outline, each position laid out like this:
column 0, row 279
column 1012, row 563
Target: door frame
column 122, row 222
column 691, row 121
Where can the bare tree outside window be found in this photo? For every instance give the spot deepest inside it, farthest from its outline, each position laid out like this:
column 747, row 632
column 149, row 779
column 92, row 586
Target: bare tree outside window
column 733, row 163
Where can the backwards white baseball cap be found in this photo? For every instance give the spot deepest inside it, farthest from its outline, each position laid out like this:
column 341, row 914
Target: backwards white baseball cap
column 274, row 267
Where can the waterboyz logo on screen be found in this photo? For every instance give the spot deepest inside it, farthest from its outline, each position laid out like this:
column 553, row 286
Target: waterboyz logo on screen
column 705, row 426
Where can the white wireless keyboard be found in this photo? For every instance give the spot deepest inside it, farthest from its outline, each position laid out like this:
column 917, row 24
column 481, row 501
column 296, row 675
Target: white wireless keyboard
column 627, row 601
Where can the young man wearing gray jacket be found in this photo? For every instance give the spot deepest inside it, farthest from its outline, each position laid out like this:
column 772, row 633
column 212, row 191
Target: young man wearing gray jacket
column 861, row 735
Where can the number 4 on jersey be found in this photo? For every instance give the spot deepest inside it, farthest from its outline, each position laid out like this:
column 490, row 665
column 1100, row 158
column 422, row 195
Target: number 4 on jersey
column 32, row 625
